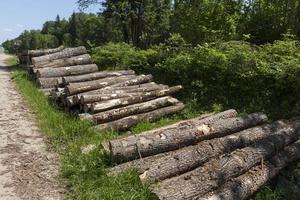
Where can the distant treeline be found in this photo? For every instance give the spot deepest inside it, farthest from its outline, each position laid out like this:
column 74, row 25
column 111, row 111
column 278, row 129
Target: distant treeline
column 144, row 23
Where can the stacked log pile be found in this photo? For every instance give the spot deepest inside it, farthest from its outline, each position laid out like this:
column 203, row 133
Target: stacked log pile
column 113, row 100
column 25, row 56
column 213, row 157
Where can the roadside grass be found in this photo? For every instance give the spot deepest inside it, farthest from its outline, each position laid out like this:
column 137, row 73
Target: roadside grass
column 86, row 174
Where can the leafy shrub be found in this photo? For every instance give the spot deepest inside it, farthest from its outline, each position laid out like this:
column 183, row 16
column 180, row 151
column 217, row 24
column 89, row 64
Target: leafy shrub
column 232, row 74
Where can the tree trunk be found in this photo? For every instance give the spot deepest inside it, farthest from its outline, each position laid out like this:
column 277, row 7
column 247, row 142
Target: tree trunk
column 217, row 171
column 128, row 122
column 101, row 106
column 163, row 139
column 188, row 158
column 95, row 76
column 123, row 90
column 66, row 71
column 49, row 82
column 37, row 53
column 85, row 99
column 66, row 53
column 77, row 60
column 173, row 138
column 244, row 186
column 76, row 88
column 119, row 113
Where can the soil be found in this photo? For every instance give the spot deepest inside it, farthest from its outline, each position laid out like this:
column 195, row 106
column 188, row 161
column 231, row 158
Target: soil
column 27, row 169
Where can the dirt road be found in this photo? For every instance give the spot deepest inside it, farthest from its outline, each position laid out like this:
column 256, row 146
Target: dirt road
column 27, row 170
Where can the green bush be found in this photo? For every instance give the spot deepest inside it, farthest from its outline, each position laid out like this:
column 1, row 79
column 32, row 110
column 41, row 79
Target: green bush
column 231, row 74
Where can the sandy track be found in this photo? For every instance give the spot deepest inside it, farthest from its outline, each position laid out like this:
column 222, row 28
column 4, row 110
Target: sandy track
column 27, row 170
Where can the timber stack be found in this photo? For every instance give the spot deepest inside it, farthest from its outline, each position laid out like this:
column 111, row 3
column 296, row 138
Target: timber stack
column 212, row 157
column 113, row 100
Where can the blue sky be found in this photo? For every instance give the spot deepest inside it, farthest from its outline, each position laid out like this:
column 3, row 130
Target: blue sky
column 19, row 15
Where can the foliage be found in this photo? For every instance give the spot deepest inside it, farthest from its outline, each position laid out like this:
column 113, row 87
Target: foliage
column 146, row 23
column 232, row 74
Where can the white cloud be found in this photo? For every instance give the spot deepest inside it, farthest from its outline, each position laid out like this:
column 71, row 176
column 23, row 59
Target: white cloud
column 8, row 30
column 20, row 26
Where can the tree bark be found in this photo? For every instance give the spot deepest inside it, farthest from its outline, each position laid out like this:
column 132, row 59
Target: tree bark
column 163, row 139
column 66, row 71
column 123, row 90
column 49, row 82
column 85, row 99
column 119, row 113
column 244, row 186
column 76, row 88
column 166, row 165
column 217, row 171
column 128, row 122
column 37, row 53
column 101, row 106
column 95, row 76
column 77, row 60
column 66, row 53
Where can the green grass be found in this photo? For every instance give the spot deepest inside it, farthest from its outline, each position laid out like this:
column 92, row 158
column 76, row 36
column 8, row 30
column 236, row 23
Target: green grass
column 86, row 174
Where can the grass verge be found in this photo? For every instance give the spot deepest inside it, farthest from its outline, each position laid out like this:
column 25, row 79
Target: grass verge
column 86, row 174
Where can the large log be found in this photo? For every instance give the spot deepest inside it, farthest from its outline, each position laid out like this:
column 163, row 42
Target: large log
column 244, row 186
column 105, row 105
column 49, row 82
column 128, row 122
column 119, row 113
column 95, row 76
column 147, row 87
column 76, row 88
column 109, row 92
column 166, row 165
column 66, row 71
column 77, row 60
column 217, row 171
column 178, row 135
column 88, row 99
column 37, row 53
column 66, row 53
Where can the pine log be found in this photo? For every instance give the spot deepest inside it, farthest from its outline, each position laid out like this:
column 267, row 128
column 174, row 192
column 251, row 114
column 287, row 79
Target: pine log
column 119, row 113
column 166, row 139
column 95, row 76
column 37, row 53
column 217, row 171
column 128, row 122
column 76, row 88
column 166, row 165
column 147, row 87
column 66, row 71
column 76, row 60
column 105, row 105
column 85, row 99
column 244, row 186
column 66, row 53
column 49, row 82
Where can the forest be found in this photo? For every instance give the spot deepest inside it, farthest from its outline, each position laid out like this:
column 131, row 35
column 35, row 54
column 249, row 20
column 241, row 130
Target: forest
column 241, row 54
